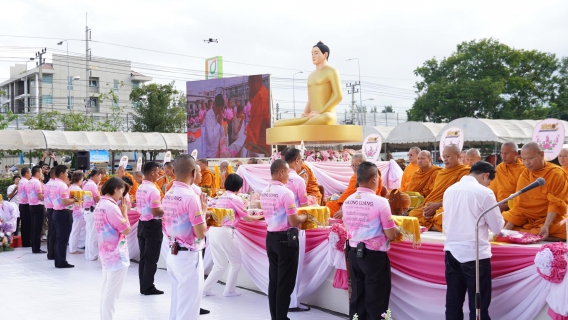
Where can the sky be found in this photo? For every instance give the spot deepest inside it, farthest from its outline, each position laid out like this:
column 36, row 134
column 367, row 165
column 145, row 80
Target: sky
column 389, row 39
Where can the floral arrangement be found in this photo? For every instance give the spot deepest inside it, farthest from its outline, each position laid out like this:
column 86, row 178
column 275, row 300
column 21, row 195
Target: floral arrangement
column 245, row 199
column 338, row 236
column 313, row 201
column 519, row 237
column 193, row 123
column 547, row 144
column 323, row 155
column 386, row 316
column 6, row 230
column 551, row 262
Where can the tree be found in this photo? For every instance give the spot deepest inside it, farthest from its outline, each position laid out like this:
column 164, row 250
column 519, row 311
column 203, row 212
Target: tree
column 387, row 109
column 78, row 122
column 43, row 120
column 114, row 122
column 159, row 108
column 5, row 120
column 485, row 79
column 559, row 102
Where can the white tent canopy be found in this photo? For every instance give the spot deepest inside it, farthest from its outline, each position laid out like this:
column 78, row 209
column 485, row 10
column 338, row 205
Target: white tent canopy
column 412, row 132
column 78, row 140
column 381, row 131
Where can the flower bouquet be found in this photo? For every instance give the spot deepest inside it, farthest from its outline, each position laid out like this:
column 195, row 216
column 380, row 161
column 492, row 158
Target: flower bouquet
column 6, row 230
column 550, row 261
column 510, row 236
column 338, row 236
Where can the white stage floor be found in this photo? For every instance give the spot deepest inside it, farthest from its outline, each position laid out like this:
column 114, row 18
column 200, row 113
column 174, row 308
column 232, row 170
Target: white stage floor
column 32, row 288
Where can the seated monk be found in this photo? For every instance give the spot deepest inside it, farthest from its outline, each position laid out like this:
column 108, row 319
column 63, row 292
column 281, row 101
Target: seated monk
column 207, row 183
column 166, row 179
column 540, row 210
column 121, row 172
column 423, row 179
column 312, row 187
column 221, row 173
column 430, row 213
column 472, row 156
column 410, row 168
column 463, row 157
column 563, row 159
column 507, row 173
column 335, row 205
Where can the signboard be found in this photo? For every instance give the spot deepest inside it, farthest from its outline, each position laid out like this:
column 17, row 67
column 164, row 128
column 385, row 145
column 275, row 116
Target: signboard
column 549, row 134
column 168, row 157
column 194, row 154
column 214, row 67
column 123, row 162
column 452, row 136
column 139, row 164
column 372, row 147
column 98, row 156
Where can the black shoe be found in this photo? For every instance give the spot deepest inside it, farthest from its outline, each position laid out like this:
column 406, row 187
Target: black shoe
column 52, row 258
column 66, row 266
column 153, row 291
column 299, row 309
column 40, row 251
column 203, row 311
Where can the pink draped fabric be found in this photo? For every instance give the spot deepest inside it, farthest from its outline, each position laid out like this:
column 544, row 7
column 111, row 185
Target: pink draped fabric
column 555, row 316
column 505, row 259
column 340, row 279
column 133, row 216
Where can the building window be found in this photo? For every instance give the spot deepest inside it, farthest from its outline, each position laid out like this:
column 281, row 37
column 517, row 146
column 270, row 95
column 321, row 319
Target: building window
column 70, row 103
column 135, row 84
column 93, row 83
column 47, row 99
column 115, row 85
column 48, row 79
column 94, row 102
column 32, row 83
column 32, row 101
column 69, row 83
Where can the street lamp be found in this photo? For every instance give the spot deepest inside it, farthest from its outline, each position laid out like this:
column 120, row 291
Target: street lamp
column 359, row 67
column 68, row 85
column 294, row 91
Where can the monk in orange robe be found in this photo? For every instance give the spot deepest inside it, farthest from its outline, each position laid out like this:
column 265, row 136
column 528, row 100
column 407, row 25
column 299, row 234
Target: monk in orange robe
column 410, row 169
column 104, row 176
column 312, row 186
column 165, row 179
column 335, row 206
column 207, row 178
column 540, row 210
column 472, row 156
column 423, row 179
column 563, row 159
column 430, row 214
column 259, row 119
column 507, row 173
column 121, row 172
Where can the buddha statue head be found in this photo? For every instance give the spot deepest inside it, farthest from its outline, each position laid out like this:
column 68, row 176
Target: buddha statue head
column 320, row 53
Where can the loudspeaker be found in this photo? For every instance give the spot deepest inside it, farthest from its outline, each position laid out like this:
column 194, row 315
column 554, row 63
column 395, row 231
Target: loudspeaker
column 83, row 160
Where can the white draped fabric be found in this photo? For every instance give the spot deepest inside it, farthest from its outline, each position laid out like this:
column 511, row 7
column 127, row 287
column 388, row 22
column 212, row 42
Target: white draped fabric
column 132, row 242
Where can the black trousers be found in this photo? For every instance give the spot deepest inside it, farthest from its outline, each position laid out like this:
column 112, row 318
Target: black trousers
column 283, row 266
column 460, row 278
column 370, row 284
column 37, row 213
column 150, row 237
column 26, row 226
column 63, row 220
column 51, row 235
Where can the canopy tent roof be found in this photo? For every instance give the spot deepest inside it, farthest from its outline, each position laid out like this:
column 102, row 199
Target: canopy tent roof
column 532, row 124
column 412, row 132
column 79, row 140
column 381, row 131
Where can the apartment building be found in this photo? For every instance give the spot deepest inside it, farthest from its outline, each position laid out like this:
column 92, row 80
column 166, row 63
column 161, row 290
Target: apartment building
column 70, row 83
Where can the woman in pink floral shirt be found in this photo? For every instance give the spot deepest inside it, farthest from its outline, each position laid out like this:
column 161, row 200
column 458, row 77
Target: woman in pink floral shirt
column 75, row 240
column 111, row 222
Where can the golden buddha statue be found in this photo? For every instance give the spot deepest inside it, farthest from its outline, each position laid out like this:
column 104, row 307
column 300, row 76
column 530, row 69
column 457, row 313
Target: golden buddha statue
column 324, row 92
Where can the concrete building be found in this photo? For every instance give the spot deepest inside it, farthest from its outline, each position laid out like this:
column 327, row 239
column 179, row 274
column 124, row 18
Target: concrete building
column 69, row 86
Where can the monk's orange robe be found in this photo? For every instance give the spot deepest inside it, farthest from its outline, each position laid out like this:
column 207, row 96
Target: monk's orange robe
column 161, row 192
column 312, row 187
column 446, row 178
column 103, row 180
column 423, row 181
column 334, row 206
column 164, row 181
column 407, row 175
column 565, row 170
column 531, row 208
column 132, row 191
column 506, row 179
column 208, row 181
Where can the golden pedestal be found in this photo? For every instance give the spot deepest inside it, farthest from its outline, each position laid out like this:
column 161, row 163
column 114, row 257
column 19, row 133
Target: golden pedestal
column 313, row 134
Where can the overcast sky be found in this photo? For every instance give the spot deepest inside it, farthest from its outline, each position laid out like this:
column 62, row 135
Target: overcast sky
column 390, row 38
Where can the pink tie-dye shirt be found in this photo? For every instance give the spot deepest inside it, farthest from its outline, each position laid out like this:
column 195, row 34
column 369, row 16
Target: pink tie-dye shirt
column 22, row 190
column 182, row 211
column 47, row 194
column 297, row 185
column 277, row 203
column 366, row 215
column 109, row 223
column 76, row 207
column 59, row 191
column 229, row 200
column 90, row 201
column 147, row 198
column 34, row 188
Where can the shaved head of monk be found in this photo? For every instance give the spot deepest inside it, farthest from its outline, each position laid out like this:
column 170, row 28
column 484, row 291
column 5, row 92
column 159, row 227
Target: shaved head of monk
column 451, row 156
column 563, row 157
column 356, row 160
column 413, row 154
column 533, row 156
column 472, row 156
column 463, row 156
column 509, row 152
column 424, row 160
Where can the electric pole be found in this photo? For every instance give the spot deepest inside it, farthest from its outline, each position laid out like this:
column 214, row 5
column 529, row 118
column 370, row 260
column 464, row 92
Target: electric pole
column 277, row 111
column 352, row 92
column 39, row 55
column 87, row 70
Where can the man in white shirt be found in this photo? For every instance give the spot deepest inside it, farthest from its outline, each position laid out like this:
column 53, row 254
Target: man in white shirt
column 213, row 126
column 463, row 204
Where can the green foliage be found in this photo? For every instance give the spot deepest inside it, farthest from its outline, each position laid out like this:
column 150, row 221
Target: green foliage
column 6, row 119
column 387, row 109
column 43, row 120
column 488, row 79
column 4, row 184
column 78, row 122
column 114, row 122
